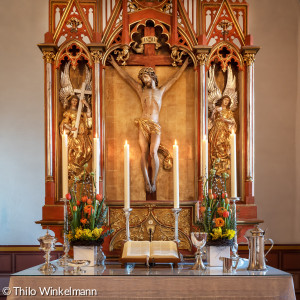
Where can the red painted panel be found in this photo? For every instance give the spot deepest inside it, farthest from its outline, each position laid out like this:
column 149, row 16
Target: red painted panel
column 53, row 212
column 245, row 211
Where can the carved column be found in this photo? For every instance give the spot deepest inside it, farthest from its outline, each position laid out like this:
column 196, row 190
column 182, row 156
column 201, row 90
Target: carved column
column 202, row 55
column 97, row 51
column 49, row 51
column 249, row 53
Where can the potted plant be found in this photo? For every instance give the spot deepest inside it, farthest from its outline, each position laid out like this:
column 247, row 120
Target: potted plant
column 87, row 219
column 217, row 218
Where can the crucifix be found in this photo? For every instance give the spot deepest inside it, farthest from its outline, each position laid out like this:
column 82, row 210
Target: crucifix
column 82, row 93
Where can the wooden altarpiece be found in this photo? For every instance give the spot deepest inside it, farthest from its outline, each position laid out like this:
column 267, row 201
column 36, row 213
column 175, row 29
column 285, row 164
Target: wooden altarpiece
column 161, row 34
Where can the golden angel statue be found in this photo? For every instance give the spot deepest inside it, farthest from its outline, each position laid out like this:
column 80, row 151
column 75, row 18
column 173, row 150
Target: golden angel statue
column 221, row 121
column 76, row 122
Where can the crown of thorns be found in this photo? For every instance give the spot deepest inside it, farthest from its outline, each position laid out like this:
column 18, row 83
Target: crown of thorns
column 149, row 71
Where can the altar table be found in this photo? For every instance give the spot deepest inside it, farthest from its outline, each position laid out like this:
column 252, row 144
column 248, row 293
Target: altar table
column 158, row 282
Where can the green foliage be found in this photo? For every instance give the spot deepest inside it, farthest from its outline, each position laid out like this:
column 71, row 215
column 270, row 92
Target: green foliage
column 87, row 210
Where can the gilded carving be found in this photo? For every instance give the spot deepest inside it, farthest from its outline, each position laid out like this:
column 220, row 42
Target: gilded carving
column 225, row 25
column 249, row 58
column 221, row 121
column 202, row 58
column 122, row 55
column 97, row 56
column 150, row 224
column 167, row 8
column 117, row 218
column 76, row 120
column 48, row 56
column 176, row 55
column 74, row 23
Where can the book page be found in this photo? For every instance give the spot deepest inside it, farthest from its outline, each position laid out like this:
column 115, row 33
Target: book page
column 136, row 249
column 163, row 249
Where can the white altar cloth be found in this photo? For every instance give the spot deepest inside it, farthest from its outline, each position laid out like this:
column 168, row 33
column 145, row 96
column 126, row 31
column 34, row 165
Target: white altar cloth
column 159, row 282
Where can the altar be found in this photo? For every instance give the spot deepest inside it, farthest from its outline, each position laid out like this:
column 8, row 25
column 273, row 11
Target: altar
column 159, row 282
column 149, row 122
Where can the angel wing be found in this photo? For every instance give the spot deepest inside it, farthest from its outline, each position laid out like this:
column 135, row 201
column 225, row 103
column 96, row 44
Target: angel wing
column 214, row 93
column 88, row 78
column 88, row 82
column 230, row 89
column 66, row 85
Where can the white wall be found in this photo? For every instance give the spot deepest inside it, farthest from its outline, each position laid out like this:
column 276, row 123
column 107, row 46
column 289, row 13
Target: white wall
column 274, row 26
column 22, row 25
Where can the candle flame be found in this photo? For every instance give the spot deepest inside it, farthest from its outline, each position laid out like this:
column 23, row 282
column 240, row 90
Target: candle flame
column 64, row 132
column 126, row 142
column 175, row 142
column 232, row 131
column 96, row 136
column 204, row 137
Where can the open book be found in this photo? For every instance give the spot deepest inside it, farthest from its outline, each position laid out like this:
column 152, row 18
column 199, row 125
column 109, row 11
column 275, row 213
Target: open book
column 153, row 252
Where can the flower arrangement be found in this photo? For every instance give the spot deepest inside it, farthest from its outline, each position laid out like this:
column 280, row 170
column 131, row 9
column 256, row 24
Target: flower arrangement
column 217, row 218
column 88, row 213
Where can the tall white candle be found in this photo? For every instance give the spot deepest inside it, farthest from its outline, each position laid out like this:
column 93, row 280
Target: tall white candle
column 204, row 157
column 64, row 163
column 96, row 162
column 233, row 164
column 176, row 175
column 126, row 176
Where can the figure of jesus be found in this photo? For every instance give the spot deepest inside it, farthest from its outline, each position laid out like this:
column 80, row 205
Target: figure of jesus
column 149, row 129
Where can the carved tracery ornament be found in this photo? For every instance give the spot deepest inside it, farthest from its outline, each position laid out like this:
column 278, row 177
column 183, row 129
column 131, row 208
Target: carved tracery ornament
column 225, row 53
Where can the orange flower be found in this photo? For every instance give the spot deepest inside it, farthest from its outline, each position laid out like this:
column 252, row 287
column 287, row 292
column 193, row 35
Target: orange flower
column 202, row 209
column 99, row 197
column 87, row 209
column 74, row 208
column 227, row 200
column 219, row 222
column 221, row 210
column 226, row 214
column 89, row 201
column 83, row 221
column 84, row 199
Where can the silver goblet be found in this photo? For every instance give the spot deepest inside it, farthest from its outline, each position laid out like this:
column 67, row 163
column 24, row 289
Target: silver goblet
column 199, row 241
column 47, row 244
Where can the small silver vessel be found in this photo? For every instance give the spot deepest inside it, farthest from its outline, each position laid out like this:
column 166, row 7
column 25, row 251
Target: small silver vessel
column 256, row 245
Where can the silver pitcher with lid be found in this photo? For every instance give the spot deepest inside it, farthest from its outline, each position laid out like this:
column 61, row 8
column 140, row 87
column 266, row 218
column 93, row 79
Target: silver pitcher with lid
column 256, row 245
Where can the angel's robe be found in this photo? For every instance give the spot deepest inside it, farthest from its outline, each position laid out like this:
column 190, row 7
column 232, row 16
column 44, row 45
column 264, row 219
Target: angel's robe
column 79, row 148
column 219, row 133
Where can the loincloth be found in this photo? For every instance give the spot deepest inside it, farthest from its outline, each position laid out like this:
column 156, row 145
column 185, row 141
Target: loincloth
column 149, row 127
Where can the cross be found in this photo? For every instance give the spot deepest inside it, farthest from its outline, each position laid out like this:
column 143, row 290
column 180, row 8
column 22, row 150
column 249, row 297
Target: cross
column 82, row 92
